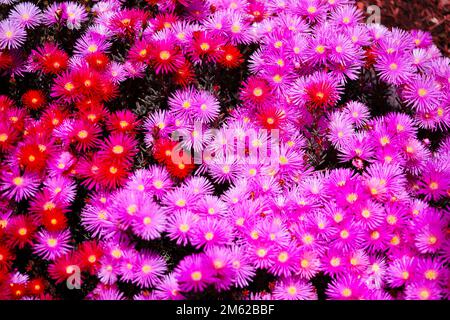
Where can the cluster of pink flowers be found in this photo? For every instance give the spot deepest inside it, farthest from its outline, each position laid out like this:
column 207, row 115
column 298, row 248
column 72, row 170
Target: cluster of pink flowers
column 229, row 201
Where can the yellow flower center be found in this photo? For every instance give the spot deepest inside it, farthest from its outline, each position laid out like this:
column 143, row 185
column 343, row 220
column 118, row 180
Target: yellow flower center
column 209, row 236
column 283, row 257
column 257, row 92
column 184, row 227
column 164, row 55
column 196, row 276
column 422, row 92
column 18, row 181
column 117, row 149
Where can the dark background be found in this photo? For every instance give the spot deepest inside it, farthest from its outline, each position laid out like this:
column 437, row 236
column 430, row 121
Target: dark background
column 428, row 15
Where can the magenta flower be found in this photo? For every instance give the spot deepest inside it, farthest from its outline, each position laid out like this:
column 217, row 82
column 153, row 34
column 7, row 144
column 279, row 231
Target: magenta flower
column 52, row 245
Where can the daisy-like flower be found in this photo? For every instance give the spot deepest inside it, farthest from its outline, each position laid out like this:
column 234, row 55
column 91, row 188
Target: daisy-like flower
column 394, row 68
column 205, row 106
column 123, row 121
column 376, row 272
column 211, row 232
column 26, row 15
column 231, row 58
column 238, row 32
column 205, row 47
column 118, row 147
column 401, row 271
column 434, row 181
column 166, row 58
column 349, row 237
column 149, row 224
column 193, row 274
column 370, row 215
column 52, row 245
column 293, row 289
column 220, row 262
column 211, row 206
column 150, row 267
column 384, row 180
column 106, row 293
column 127, row 205
column 20, row 231
column 180, row 226
column 430, row 238
column 346, row 287
column 63, row 267
column 346, row 16
column 357, row 149
column 422, row 291
column 341, row 129
column 97, row 219
column 284, row 260
column 422, row 93
column 168, row 289
column 12, row 36
column 357, row 112
column 84, row 135
column 7, row 258
column 19, row 186
column 61, row 188
column 307, row 264
column 182, row 101
column 74, row 14
column 50, row 59
column 256, row 92
column 430, row 270
column 33, row 99
column 317, row 91
column 89, row 254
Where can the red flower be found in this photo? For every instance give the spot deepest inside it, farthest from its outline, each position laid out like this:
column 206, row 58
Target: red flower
column 51, row 59
column 164, row 20
column 123, row 121
column 256, row 91
column 54, row 221
column 98, row 61
column 231, row 57
column 18, row 290
column 49, row 212
column 6, row 258
column 271, row 117
column 89, row 170
column 20, row 231
column 185, row 74
column 140, row 52
column 53, row 116
column 119, row 147
column 63, row 267
column 36, row 287
column 205, row 47
column 112, row 174
column 33, row 156
column 163, row 150
column 166, row 58
column 6, row 60
column 89, row 254
column 92, row 111
column 180, row 170
column 85, row 135
column 33, row 99
column 257, row 11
